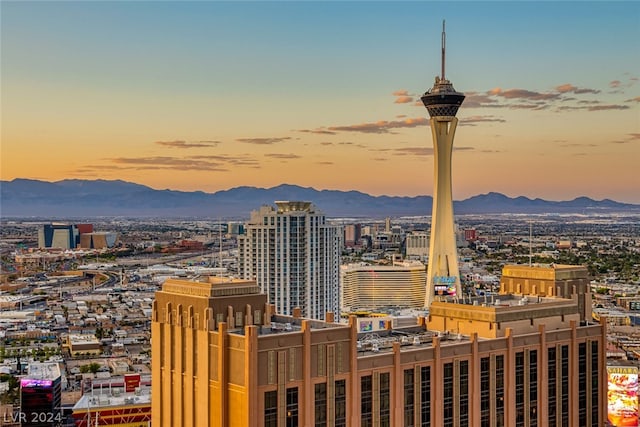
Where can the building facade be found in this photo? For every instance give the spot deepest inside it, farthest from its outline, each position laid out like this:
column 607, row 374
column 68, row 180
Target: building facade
column 124, row 403
column 417, row 246
column 97, row 240
column 41, row 395
column 63, row 236
column 222, row 358
column 352, row 235
column 294, row 255
column 559, row 280
column 374, row 287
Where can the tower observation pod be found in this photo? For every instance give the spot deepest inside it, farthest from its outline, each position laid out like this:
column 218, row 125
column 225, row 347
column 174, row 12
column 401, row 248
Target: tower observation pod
column 442, row 102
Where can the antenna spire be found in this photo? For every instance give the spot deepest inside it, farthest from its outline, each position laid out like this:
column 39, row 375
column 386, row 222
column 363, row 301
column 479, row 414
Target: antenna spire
column 444, row 38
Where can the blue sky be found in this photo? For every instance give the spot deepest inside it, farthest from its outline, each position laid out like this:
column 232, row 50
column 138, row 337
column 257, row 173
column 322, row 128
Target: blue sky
column 212, row 95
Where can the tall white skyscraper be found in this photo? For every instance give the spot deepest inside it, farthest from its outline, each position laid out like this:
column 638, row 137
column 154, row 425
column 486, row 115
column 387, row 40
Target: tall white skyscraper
column 294, row 255
column 442, row 101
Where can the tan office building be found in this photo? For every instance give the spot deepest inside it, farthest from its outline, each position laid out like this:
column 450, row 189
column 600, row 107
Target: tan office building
column 221, row 357
column 549, row 280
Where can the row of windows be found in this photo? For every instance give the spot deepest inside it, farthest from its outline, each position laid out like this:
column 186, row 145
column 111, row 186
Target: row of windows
column 292, row 410
column 375, row 393
column 293, row 220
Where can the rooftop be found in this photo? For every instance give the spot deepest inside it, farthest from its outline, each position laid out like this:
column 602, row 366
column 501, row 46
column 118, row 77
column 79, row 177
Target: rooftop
column 114, row 397
column 506, row 307
column 213, row 287
column 43, row 371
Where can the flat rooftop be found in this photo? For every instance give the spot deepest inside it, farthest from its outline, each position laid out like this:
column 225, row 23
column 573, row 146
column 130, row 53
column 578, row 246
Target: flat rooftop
column 212, row 286
column 281, row 324
column 115, row 397
column 43, row 371
column 503, row 308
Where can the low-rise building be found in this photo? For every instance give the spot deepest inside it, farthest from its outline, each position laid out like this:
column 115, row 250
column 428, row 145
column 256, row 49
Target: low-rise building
column 83, row 344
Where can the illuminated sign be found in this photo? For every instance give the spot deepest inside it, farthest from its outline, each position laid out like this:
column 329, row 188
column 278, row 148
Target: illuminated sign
column 29, row 382
column 366, row 326
column 444, row 279
column 444, row 285
column 131, row 381
column 622, row 395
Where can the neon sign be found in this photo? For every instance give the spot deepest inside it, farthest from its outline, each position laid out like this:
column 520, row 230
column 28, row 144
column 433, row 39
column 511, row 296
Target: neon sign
column 445, row 279
column 30, row 382
column 444, row 285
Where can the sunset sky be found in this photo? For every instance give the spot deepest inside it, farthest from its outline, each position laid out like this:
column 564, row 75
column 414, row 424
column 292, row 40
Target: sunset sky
column 214, row 95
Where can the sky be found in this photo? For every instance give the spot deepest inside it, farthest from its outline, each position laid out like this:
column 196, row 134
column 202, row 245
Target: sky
column 209, row 95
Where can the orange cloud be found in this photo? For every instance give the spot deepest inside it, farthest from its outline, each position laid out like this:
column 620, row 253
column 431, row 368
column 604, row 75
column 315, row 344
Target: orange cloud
column 187, row 144
column 403, row 100
column 569, row 88
column 263, row 141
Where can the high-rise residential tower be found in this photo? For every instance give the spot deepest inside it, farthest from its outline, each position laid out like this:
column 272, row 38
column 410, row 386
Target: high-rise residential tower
column 294, row 255
column 442, row 102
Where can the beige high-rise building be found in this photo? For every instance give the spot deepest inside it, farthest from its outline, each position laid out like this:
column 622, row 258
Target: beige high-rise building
column 294, row 255
column 223, row 357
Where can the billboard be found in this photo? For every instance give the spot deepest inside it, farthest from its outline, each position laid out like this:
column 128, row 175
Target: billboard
column 622, row 395
column 368, row 324
column 445, row 285
column 131, row 382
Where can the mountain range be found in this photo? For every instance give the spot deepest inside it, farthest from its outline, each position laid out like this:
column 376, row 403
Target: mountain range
column 74, row 198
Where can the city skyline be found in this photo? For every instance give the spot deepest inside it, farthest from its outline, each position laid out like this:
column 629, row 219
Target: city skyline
column 214, row 95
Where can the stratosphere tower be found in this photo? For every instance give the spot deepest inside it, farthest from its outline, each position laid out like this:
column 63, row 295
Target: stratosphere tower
column 442, row 102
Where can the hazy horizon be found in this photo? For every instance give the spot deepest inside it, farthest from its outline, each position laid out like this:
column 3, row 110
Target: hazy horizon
column 208, row 96
column 330, row 189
